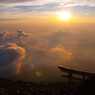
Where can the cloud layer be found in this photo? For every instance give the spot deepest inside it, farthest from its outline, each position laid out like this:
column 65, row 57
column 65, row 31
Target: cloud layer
column 65, row 2
column 46, row 48
column 10, row 56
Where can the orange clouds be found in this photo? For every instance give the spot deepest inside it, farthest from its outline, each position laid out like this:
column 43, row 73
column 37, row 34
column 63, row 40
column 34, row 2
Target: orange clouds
column 59, row 49
column 60, row 55
column 10, row 57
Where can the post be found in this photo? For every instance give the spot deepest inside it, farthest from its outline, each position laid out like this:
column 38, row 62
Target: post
column 70, row 82
column 83, row 77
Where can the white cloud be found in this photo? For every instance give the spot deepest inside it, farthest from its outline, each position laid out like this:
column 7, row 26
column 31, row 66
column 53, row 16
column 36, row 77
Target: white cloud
column 8, row 6
column 42, row 2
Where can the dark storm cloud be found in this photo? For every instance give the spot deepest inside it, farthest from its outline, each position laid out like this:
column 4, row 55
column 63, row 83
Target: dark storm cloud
column 4, row 71
column 9, row 53
column 11, row 57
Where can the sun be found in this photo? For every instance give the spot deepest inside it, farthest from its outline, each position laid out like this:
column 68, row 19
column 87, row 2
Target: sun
column 64, row 15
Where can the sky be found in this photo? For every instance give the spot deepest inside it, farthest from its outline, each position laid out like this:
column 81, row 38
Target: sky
column 25, row 9
column 34, row 41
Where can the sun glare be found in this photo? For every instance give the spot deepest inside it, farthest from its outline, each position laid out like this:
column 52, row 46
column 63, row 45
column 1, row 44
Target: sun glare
column 64, row 15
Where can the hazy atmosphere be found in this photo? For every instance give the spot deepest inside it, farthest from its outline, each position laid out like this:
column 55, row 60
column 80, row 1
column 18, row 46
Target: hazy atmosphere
column 36, row 36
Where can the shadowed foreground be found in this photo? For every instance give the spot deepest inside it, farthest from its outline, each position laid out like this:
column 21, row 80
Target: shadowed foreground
column 9, row 87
